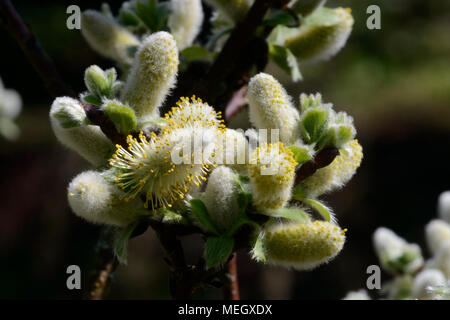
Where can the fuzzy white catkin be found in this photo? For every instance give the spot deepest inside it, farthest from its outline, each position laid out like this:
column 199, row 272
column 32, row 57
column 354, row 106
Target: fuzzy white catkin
column 87, row 140
column 321, row 35
column 107, row 37
column 425, row 279
column 357, row 295
column 93, row 198
column 444, row 206
column 270, row 107
column 221, row 197
column 233, row 151
column 10, row 103
column 152, row 75
column 436, row 232
column 390, row 247
column 232, row 10
column 302, row 246
column 441, row 260
column 185, row 21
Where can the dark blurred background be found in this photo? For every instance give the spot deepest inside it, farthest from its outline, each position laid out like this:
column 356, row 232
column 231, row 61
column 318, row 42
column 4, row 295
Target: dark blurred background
column 395, row 82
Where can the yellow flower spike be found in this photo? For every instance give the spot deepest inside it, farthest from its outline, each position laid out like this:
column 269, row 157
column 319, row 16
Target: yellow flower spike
column 152, row 75
column 271, row 107
column 302, row 246
column 272, row 185
column 335, row 175
column 321, row 35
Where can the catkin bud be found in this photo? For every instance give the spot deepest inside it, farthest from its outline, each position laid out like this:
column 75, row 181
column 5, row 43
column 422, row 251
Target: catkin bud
column 185, row 21
column 271, row 107
column 272, row 173
column 10, row 103
column 441, row 260
column 233, row 10
column 153, row 74
column 357, row 295
column 425, row 279
column 437, row 232
column 395, row 254
column 233, row 151
column 444, row 206
column 321, row 35
column 70, row 126
column 221, row 198
column 107, row 37
column 302, row 246
column 91, row 197
column 335, row 175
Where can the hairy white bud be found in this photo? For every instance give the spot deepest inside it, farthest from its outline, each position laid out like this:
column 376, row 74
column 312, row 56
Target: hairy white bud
column 444, row 206
column 69, row 124
column 185, row 21
column 107, row 37
column 441, row 260
column 357, row 295
column 10, row 107
column 152, row 75
column 271, row 107
column 272, row 173
column 302, row 246
column 437, row 232
column 424, row 280
column 233, row 151
column 91, row 197
column 395, row 254
column 232, row 10
column 221, row 197
column 321, row 35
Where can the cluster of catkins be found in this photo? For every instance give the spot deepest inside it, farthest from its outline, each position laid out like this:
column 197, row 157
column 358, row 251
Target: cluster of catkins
column 321, row 33
column 415, row 278
column 10, row 106
column 186, row 167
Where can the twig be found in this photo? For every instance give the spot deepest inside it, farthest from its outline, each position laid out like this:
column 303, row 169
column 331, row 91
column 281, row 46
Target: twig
column 33, row 50
column 106, row 264
column 231, row 285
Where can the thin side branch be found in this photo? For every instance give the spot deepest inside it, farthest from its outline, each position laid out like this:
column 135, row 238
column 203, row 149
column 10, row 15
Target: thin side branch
column 33, row 50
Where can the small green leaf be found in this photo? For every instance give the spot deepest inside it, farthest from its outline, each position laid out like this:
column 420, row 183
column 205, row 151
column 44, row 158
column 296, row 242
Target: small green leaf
column 301, row 155
column 196, row 53
column 96, row 81
column 92, row 99
column 280, row 17
column 314, row 121
column 201, row 213
column 171, row 217
column 120, row 248
column 319, row 207
column 290, row 214
column 258, row 250
column 123, row 117
column 284, row 58
column 218, row 249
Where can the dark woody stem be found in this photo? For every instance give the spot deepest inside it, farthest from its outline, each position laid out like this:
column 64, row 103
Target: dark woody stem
column 42, row 63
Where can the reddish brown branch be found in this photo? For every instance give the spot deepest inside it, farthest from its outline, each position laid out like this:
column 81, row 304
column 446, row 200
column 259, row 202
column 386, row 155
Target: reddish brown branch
column 231, row 282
